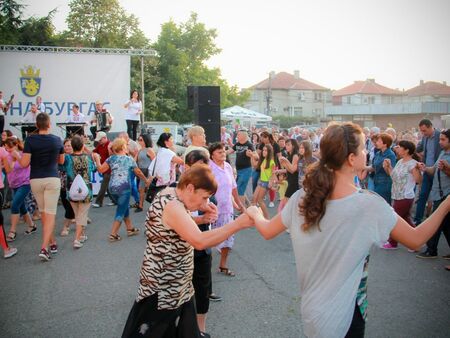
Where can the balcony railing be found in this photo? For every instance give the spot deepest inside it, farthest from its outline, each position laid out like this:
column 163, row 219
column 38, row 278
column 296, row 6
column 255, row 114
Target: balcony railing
column 390, row 109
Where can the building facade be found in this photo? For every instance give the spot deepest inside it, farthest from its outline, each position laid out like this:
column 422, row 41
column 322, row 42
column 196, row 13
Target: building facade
column 288, row 94
column 370, row 104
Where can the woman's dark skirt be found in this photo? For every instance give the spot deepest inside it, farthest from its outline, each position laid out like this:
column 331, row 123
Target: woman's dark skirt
column 145, row 320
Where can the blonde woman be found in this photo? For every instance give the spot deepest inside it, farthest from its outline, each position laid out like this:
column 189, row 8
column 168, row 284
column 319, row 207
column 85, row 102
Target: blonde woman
column 120, row 185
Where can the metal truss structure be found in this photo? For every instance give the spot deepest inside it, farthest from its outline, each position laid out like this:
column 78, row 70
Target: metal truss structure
column 77, row 50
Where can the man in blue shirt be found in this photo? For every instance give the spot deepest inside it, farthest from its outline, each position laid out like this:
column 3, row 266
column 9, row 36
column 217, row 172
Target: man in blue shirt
column 440, row 189
column 429, row 149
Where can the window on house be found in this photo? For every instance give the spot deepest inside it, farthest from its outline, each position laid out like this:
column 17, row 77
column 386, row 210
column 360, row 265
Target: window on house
column 318, row 96
column 298, row 110
column 371, row 99
column 349, row 100
column 301, row 96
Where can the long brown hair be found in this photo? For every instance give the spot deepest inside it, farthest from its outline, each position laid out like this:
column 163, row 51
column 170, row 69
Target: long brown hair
column 308, row 156
column 12, row 142
column 337, row 143
column 268, row 158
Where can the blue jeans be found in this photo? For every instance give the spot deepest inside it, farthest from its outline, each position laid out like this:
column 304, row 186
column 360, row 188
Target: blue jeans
column 243, row 175
column 18, row 202
column 427, row 183
column 255, row 178
column 123, row 205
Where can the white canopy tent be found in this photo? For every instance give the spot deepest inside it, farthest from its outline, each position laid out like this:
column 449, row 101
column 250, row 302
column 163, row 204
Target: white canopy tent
column 244, row 116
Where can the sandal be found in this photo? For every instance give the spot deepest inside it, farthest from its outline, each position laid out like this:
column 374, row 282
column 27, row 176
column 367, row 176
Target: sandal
column 227, row 272
column 31, row 230
column 65, row 231
column 132, row 232
column 11, row 236
column 114, row 238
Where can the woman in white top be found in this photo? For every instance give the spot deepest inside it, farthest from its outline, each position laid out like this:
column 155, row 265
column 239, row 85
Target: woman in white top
column 405, row 175
column 333, row 225
column 133, row 113
column 164, row 164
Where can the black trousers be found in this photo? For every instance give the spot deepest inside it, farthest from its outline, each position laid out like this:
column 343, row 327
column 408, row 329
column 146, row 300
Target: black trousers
column 357, row 326
column 201, row 279
column 69, row 213
column 432, row 244
column 132, row 126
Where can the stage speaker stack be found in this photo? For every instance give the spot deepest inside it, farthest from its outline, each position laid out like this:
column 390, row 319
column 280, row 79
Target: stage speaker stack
column 205, row 101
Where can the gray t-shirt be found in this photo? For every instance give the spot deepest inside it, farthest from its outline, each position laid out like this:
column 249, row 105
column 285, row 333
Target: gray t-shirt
column 445, row 180
column 330, row 262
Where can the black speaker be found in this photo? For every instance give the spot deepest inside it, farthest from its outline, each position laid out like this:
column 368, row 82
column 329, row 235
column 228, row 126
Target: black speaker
column 207, row 114
column 205, row 100
column 190, row 96
column 212, row 132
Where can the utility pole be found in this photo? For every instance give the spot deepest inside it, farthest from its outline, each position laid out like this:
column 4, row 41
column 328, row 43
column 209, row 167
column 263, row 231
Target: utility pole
column 269, row 95
column 142, row 92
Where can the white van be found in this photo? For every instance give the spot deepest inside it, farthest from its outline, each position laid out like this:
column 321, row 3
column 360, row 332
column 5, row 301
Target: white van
column 156, row 128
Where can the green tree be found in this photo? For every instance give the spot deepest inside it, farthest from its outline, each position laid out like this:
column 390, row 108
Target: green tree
column 10, row 21
column 182, row 52
column 38, row 31
column 103, row 24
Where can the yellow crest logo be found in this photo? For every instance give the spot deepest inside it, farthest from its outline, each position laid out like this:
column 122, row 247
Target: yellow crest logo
column 30, row 82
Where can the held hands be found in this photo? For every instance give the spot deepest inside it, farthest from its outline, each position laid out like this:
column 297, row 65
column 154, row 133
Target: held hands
column 421, row 166
column 386, row 164
column 442, row 164
column 15, row 155
column 245, row 221
column 254, row 212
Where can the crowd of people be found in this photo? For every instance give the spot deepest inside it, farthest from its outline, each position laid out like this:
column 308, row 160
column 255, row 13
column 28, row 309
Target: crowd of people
column 199, row 199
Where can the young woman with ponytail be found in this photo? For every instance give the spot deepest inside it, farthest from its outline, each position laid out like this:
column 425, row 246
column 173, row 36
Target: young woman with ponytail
column 332, row 226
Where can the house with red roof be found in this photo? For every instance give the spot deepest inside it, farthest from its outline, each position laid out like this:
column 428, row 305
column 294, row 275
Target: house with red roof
column 370, row 104
column 289, row 94
column 366, row 92
column 429, row 91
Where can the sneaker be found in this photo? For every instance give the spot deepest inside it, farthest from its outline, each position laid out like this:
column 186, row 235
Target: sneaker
column 412, row 250
column 83, row 238
column 426, row 254
column 214, row 298
column 9, row 252
column 110, row 204
column 96, row 205
column 44, row 255
column 138, row 209
column 77, row 244
column 271, row 205
column 446, row 257
column 389, row 246
column 53, row 248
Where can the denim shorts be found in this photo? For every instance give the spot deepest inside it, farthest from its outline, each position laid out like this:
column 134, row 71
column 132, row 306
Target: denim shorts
column 263, row 184
column 18, row 202
column 243, row 176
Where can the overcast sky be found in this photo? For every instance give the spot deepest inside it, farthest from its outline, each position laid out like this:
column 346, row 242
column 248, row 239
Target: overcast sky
column 331, row 42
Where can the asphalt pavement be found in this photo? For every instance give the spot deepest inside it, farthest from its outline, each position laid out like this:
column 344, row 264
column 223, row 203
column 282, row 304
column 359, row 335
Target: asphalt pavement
column 89, row 292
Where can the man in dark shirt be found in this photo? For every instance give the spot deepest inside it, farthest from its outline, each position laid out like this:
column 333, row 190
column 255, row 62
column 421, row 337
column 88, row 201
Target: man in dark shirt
column 243, row 149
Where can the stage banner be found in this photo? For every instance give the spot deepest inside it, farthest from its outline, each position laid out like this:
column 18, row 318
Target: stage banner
column 62, row 80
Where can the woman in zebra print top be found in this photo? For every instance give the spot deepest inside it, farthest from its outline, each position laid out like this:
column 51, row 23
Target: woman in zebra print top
column 164, row 306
